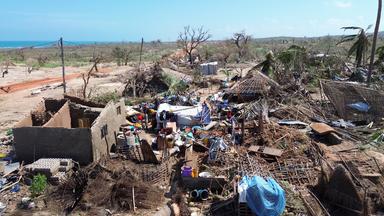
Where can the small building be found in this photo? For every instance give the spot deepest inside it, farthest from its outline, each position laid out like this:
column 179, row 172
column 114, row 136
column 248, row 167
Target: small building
column 209, row 68
column 59, row 128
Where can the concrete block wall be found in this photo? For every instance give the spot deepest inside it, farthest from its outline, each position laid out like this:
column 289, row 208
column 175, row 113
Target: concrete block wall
column 33, row 143
column 112, row 120
column 61, row 118
column 54, row 168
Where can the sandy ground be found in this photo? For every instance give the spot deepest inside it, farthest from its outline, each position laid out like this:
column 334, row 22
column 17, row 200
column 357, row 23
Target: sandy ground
column 15, row 105
column 18, row 74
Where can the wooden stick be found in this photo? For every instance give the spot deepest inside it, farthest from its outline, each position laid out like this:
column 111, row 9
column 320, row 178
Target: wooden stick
column 281, row 137
column 133, row 199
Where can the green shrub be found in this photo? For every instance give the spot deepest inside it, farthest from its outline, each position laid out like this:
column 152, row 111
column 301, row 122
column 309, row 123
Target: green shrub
column 38, row 186
column 104, row 98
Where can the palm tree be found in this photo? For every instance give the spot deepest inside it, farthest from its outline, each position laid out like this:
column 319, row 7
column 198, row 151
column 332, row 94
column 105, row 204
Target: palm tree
column 360, row 45
column 380, row 55
column 376, row 32
column 268, row 65
column 294, row 58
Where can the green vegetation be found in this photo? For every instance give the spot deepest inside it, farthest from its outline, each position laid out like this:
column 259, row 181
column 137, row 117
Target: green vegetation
column 175, row 85
column 282, row 58
column 81, row 55
column 38, row 186
column 104, row 98
column 227, row 73
column 268, row 65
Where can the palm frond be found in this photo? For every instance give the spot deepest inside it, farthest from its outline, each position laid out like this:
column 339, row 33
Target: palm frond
column 352, row 28
column 354, row 48
column 347, row 38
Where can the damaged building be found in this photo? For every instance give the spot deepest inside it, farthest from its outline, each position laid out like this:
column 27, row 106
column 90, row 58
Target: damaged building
column 59, row 128
column 253, row 86
column 355, row 102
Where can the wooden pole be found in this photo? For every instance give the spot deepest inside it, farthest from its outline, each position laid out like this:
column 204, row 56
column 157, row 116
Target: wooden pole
column 242, row 131
column 141, row 51
column 375, row 34
column 62, row 64
column 261, row 122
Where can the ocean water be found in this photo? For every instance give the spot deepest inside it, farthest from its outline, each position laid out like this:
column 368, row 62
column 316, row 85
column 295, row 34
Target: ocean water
column 43, row 44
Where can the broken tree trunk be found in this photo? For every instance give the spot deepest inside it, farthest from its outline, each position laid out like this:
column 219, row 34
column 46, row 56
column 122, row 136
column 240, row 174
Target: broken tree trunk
column 261, row 122
column 242, row 131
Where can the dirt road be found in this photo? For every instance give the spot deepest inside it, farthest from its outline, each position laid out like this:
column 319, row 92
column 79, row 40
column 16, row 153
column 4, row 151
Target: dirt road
column 34, row 83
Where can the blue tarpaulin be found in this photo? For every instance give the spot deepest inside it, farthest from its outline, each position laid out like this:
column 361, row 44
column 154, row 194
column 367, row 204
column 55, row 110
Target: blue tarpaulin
column 360, row 106
column 264, row 197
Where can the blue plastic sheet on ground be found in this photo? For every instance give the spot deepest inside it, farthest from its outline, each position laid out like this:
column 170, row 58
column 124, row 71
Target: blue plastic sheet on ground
column 360, row 106
column 15, row 188
column 264, row 197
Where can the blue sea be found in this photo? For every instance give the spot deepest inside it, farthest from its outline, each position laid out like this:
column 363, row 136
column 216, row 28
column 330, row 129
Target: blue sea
column 44, row 44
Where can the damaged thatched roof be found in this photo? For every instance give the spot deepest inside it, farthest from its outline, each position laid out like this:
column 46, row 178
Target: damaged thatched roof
column 254, row 84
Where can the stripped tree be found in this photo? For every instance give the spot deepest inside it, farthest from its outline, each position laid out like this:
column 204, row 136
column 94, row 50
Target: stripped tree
column 122, row 55
column 241, row 40
column 190, row 39
column 96, row 59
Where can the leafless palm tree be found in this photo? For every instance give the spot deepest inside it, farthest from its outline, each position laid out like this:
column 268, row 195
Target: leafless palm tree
column 374, row 42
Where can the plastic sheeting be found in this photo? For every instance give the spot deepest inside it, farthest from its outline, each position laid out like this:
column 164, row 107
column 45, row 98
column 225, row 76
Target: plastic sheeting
column 264, row 197
column 186, row 115
column 205, row 114
column 360, row 106
column 216, row 145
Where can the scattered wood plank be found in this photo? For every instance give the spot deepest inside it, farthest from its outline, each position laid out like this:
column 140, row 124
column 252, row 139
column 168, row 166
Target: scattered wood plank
column 328, row 132
column 266, row 150
column 191, row 158
column 322, row 129
column 254, row 149
column 147, row 152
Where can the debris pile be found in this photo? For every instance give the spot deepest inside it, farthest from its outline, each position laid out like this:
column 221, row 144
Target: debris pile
column 115, row 188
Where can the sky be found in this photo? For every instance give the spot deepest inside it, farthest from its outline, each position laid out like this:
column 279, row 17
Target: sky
column 129, row 20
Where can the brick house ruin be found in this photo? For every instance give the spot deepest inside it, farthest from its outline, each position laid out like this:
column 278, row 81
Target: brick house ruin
column 64, row 129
